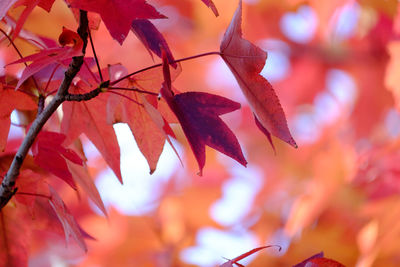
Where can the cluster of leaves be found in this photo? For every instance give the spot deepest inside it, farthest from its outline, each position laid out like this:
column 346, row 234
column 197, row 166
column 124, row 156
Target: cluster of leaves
column 332, row 194
column 91, row 110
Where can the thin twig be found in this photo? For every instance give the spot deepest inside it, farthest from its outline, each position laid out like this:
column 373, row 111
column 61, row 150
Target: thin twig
column 159, row 65
column 40, row 104
column 95, row 55
column 133, row 90
column 83, row 97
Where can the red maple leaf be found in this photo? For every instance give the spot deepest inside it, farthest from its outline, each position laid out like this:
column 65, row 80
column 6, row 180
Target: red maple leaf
column 198, row 113
column 51, row 55
column 162, row 124
column 90, row 118
column 246, row 61
column 50, row 155
column 149, row 137
column 10, row 100
column 118, row 15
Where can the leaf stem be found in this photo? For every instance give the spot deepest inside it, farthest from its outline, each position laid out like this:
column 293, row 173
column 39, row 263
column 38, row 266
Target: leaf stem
column 94, row 54
column 133, row 90
column 160, row 64
column 40, row 104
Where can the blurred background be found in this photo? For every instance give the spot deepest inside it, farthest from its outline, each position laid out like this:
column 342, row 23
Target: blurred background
column 335, row 68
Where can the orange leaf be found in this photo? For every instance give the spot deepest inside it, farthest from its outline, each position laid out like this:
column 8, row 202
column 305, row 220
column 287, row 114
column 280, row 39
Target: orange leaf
column 90, row 118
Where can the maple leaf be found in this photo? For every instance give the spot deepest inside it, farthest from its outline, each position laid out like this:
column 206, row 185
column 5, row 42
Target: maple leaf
column 10, row 100
column 246, row 61
column 152, row 39
column 318, row 260
column 90, row 118
column 211, row 5
column 198, row 113
column 118, row 15
column 230, row 263
column 50, row 155
column 71, row 227
column 52, row 55
column 149, row 137
column 162, row 124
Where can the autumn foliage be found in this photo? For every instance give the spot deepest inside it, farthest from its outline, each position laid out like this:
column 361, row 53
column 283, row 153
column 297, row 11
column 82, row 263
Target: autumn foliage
column 262, row 133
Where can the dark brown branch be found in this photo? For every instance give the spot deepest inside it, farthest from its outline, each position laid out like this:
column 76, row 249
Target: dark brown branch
column 89, row 95
column 40, row 104
column 7, row 186
column 83, row 97
column 95, row 55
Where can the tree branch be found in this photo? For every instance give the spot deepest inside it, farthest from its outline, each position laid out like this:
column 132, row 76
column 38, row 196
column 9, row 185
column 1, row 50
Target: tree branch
column 83, row 97
column 7, row 186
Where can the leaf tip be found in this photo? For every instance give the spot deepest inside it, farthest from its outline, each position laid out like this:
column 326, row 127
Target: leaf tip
column 120, row 179
column 244, row 163
column 293, row 143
